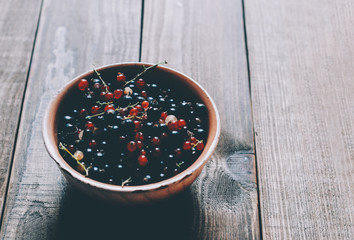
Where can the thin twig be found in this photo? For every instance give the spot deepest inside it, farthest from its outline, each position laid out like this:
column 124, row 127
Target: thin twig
column 145, row 69
column 129, row 180
column 62, row 147
column 99, row 76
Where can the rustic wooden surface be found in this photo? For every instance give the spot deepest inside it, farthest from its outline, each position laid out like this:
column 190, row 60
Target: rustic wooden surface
column 71, row 37
column 212, row 51
column 222, row 204
column 302, row 104
column 18, row 24
column 301, row 56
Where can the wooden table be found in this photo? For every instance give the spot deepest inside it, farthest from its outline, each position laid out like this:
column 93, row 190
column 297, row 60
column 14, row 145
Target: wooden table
column 280, row 72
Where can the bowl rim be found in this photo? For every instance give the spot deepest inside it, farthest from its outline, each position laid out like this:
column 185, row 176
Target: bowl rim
column 49, row 138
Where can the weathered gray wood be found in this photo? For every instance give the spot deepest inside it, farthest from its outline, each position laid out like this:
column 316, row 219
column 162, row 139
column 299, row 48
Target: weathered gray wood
column 205, row 40
column 18, row 23
column 302, row 66
column 72, row 36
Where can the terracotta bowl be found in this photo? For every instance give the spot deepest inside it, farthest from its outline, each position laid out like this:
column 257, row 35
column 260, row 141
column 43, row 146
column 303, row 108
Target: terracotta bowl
column 132, row 194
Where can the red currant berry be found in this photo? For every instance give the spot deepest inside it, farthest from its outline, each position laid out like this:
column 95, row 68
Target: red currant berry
column 131, row 146
column 193, row 140
column 78, row 155
column 109, row 106
column 103, row 96
column 142, row 160
column 104, row 88
column 139, row 136
column 200, row 146
column 181, row 124
column 139, row 144
column 93, row 143
column 89, row 125
column 118, row 93
column 95, row 109
column 172, row 126
column 120, row 77
column 155, row 141
column 83, row 84
column 187, row 145
column 178, row 153
column 140, row 83
column 144, row 94
column 163, row 116
column 109, row 97
column 83, row 113
column 145, row 104
column 143, row 152
column 137, row 125
column 133, row 112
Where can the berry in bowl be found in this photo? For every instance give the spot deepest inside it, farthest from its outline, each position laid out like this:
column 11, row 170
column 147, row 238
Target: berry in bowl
column 131, row 133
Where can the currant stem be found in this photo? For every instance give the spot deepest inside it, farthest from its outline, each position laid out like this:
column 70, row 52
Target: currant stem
column 117, row 109
column 199, row 141
column 126, row 181
column 95, row 115
column 135, row 116
column 104, row 103
column 62, row 147
column 145, row 69
column 87, row 170
column 133, row 105
column 99, row 76
column 179, row 164
column 189, row 133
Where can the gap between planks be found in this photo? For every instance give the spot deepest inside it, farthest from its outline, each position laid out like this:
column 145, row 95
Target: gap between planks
column 19, row 117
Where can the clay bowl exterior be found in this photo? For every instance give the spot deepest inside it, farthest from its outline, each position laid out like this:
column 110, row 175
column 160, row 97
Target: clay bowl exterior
column 132, row 194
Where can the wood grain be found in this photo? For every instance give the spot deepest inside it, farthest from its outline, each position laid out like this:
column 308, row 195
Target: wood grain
column 18, row 23
column 205, row 40
column 72, row 36
column 302, row 65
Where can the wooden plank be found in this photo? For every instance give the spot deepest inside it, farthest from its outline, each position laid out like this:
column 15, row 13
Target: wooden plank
column 18, row 24
column 302, row 66
column 205, row 40
column 72, row 36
